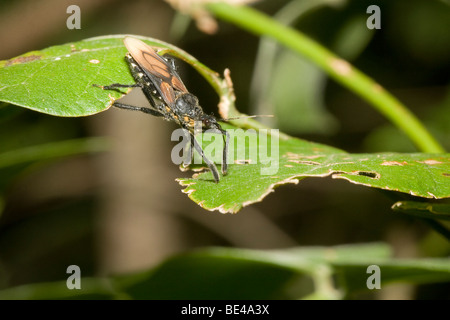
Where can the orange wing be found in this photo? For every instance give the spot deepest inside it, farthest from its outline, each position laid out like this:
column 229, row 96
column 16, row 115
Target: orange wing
column 154, row 65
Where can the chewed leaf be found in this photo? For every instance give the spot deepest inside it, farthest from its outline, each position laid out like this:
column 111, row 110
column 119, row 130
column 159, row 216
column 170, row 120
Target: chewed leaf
column 249, row 181
column 59, row 81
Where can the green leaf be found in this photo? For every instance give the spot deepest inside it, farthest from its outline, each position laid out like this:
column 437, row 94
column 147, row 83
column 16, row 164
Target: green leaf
column 59, row 80
column 250, row 274
column 269, row 274
column 92, row 289
column 353, row 276
column 418, row 174
column 423, row 210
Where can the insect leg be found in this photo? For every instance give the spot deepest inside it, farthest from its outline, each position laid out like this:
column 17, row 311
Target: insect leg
column 226, row 141
column 134, row 108
column 225, row 151
column 114, row 86
column 118, row 85
column 188, row 160
column 210, row 164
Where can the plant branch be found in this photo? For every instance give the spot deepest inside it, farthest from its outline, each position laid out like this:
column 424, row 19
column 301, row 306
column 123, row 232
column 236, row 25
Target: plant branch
column 339, row 69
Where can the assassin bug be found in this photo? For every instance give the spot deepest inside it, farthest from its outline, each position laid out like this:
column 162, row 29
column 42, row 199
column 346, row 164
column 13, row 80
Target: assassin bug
column 168, row 96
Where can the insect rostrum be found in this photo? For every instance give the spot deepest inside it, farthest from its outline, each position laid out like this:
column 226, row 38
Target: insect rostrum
column 168, row 97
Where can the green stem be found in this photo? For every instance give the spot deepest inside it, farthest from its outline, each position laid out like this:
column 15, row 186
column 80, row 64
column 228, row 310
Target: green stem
column 340, row 70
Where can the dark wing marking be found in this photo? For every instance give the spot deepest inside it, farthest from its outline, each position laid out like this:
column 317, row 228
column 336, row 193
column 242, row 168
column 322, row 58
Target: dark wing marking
column 156, row 68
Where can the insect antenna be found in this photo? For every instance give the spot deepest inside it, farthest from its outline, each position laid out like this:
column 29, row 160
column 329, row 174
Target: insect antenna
column 244, row 117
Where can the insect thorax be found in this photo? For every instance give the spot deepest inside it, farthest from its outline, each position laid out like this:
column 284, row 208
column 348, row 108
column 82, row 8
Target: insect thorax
column 187, row 104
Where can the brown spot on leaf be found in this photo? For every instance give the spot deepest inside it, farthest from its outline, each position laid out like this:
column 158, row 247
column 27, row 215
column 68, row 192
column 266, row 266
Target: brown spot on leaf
column 445, row 174
column 430, row 162
column 308, row 163
column 243, row 161
column 292, row 155
column 394, row 163
column 22, row 59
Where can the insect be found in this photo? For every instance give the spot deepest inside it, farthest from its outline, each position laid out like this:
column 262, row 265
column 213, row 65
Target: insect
column 168, row 96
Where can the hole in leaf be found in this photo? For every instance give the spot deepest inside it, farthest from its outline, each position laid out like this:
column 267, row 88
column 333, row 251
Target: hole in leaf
column 372, row 175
